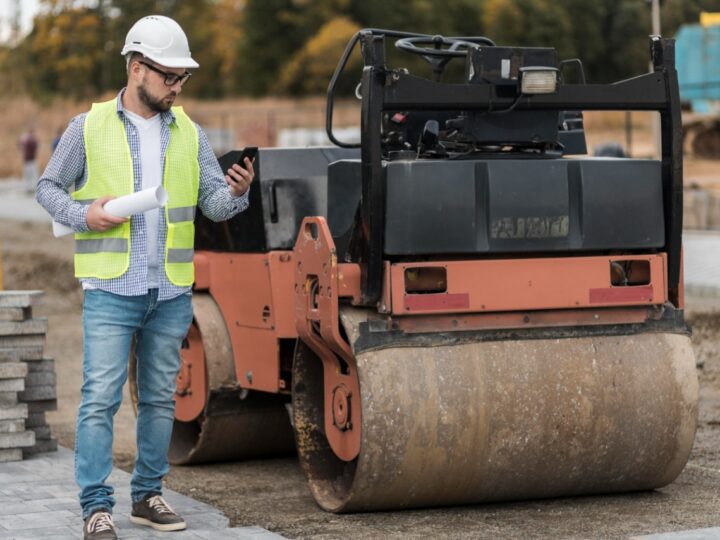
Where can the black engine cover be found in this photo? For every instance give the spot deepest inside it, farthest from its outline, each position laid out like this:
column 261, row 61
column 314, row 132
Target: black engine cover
column 513, row 205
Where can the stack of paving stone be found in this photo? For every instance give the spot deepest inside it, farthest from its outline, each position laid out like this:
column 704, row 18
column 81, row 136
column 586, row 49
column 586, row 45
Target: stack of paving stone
column 27, row 379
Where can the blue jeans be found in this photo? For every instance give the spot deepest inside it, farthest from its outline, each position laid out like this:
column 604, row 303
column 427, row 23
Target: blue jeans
column 109, row 323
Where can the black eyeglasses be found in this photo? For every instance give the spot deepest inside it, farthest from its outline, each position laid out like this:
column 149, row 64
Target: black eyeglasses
column 171, row 79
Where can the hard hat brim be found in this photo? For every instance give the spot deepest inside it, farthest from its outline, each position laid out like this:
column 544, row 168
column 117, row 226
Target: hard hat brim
column 171, row 62
column 179, row 62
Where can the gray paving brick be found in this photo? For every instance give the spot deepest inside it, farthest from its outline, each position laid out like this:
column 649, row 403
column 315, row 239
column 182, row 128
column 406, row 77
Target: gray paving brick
column 62, row 498
column 12, row 426
column 31, row 353
column 19, row 410
column 40, row 446
column 42, row 406
column 40, row 378
column 35, row 419
column 212, row 535
column 26, row 493
column 8, row 399
column 21, row 508
column 224, row 534
column 206, row 521
column 9, row 355
column 44, row 365
column 41, row 432
column 20, row 481
column 34, row 520
column 15, row 314
column 12, row 385
column 17, row 440
column 73, row 507
column 20, row 298
column 56, row 533
column 60, row 491
column 29, row 341
column 22, row 328
column 12, row 370
column 9, row 469
column 10, row 454
column 38, row 393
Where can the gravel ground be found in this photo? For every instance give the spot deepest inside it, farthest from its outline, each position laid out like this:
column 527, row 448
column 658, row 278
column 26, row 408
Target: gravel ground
column 273, row 493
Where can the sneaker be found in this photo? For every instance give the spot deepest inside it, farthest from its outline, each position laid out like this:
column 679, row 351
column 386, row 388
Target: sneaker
column 99, row 526
column 154, row 512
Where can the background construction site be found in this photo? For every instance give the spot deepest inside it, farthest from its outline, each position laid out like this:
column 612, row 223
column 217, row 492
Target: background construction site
column 265, row 65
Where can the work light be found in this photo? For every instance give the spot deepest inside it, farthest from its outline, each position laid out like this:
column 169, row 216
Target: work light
column 538, row 80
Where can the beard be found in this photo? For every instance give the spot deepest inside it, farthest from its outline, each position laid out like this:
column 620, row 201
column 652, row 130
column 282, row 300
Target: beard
column 157, row 105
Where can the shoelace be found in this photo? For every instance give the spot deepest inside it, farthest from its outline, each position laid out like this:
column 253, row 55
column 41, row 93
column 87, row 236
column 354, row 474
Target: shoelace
column 158, row 504
column 100, row 521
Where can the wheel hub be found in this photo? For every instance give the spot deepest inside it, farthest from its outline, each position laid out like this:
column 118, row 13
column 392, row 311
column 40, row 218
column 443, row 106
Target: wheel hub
column 341, row 407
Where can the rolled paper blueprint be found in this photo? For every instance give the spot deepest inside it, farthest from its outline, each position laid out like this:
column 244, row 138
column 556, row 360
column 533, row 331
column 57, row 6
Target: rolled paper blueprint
column 126, row 206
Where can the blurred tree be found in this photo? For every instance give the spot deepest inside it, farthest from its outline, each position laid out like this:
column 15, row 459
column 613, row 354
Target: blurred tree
column 273, row 30
column 610, row 37
column 63, row 53
column 227, row 32
column 290, row 46
column 197, row 18
column 587, row 35
column 625, row 53
column 539, row 23
column 677, row 12
column 503, row 21
column 310, row 69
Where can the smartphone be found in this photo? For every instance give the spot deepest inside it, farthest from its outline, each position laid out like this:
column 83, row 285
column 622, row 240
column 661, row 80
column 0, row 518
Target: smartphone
column 248, row 152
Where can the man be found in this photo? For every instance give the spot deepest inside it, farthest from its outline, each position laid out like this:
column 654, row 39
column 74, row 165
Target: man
column 56, row 139
column 136, row 273
column 28, row 145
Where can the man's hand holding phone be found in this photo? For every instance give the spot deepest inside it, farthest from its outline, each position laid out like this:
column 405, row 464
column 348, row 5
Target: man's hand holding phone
column 241, row 174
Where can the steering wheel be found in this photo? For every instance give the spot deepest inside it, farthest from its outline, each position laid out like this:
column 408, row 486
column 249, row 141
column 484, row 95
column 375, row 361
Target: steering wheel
column 439, row 50
column 456, row 46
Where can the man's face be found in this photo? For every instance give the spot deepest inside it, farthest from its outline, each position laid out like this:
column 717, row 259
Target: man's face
column 152, row 90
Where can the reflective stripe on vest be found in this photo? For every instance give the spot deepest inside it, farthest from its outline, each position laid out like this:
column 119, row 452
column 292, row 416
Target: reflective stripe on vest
column 111, row 245
column 110, row 172
column 180, row 255
column 183, row 213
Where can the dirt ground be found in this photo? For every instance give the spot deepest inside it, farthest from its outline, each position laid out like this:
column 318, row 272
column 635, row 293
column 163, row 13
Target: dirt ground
column 273, row 493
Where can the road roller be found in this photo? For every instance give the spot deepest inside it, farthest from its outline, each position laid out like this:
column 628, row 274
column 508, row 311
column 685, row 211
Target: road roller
column 463, row 307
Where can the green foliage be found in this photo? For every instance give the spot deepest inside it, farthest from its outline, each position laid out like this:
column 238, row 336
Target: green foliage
column 63, row 53
column 256, row 47
column 273, row 31
column 310, row 69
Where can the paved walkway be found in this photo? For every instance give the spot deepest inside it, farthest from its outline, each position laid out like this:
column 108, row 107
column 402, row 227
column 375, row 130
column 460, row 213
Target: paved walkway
column 38, row 501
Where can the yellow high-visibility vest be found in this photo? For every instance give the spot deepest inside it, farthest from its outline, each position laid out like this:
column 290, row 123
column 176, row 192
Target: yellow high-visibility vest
column 106, row 255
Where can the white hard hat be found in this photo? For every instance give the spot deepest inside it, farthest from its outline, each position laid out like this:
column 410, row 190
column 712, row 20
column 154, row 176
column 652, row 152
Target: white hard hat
column 161, row 40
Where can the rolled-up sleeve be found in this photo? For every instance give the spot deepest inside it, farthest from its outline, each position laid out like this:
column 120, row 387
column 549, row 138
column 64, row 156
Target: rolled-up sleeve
column 65, row 169
column 214, row 197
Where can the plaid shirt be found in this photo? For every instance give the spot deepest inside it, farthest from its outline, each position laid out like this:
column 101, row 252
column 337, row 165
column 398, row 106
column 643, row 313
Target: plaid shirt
column 68, row 167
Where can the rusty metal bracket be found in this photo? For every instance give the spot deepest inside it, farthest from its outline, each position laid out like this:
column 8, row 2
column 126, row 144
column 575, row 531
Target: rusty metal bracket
column 317, row 293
